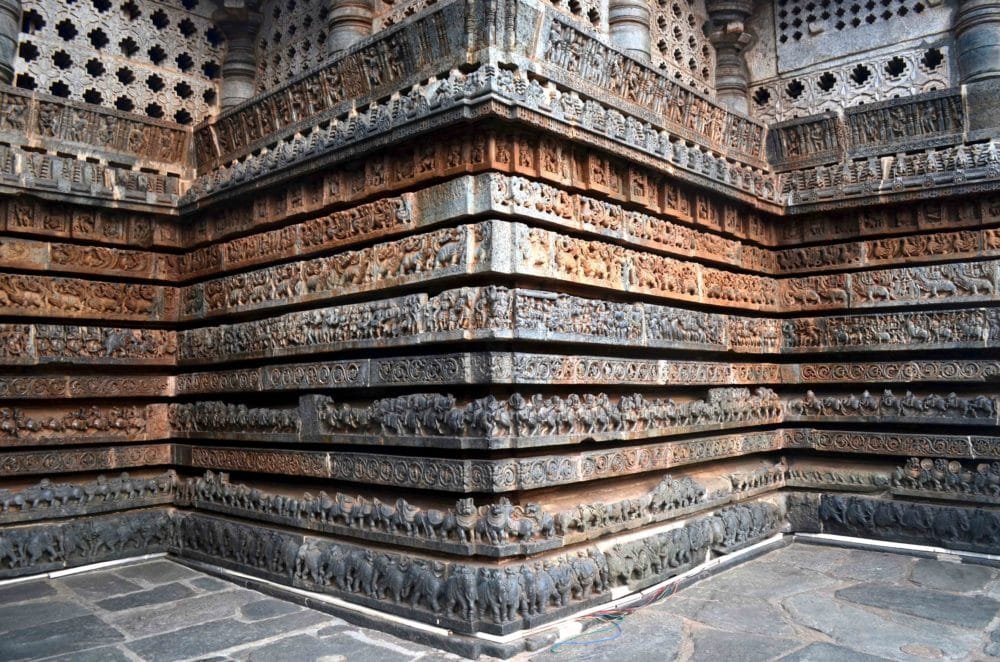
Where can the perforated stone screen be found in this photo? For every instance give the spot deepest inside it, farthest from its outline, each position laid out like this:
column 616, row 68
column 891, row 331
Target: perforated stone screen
column 160, row 59
column 679, row 42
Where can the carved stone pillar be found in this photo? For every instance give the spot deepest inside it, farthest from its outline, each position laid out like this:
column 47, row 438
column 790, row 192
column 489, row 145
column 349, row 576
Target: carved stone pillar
column 239, row 68
column 10, row 27
column 977, row 45
column 977, row 39
column 348, row 22
column 728, row 33
column 628, row 26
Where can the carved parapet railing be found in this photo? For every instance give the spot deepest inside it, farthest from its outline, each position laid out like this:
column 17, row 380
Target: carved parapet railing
column 98, row 134
column 922, row 121
column 47, row 175
column 325, row 112
column 503, row 93
column 898, row 147
column 384, row 63
column 575, row 55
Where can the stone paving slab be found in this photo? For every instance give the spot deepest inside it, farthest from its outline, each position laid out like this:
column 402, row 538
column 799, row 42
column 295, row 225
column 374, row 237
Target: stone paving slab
column 800, row 603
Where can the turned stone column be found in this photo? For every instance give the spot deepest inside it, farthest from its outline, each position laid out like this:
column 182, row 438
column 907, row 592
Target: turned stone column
column 977, row 45
column 727, row 31
column 348, row 22
column 628, row 26
column 10, row 28
column 977, row 39
column 239, row 68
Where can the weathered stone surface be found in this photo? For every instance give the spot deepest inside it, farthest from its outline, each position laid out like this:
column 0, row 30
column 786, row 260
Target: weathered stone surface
column 23, row 591
column 968, row 612
column 202, row 639
column 165, row 593
column 93, row 585
column 35, row 641
column 950, row 576
column 875, row 634
column 38, row 613
column 711, row 644
column 824, row 652
column 496, row 310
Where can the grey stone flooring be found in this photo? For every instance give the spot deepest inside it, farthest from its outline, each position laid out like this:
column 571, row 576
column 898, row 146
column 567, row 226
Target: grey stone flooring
column 799, row 603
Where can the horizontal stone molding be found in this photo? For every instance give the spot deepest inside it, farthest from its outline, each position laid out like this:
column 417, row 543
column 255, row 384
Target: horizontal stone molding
column 961, row 528
column 76, row 460
column 497, row 528
column 43, row 121
column 38, row 344
column 73, row 298
column 39, row 548
column 507, row 94
column 53, row 499
column 890, row 222
column 33, row 255
column 455, row 152
column 15, row 387
column 458, row 594
column 126, row 230
column 475, row 368
column 486, row 476
column 88, row 424
column 25, row 170
column 979, row 370
column 893, row 443
column 499, row 313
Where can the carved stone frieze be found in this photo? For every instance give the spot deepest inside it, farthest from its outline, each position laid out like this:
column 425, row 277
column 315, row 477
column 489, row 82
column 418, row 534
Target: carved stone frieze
column 51, row 500
column 554, row 419
column 487, row 476
column 75, row 460
column 45, row 121
column 948, row 479
column 901, row 371
column 38, row 172
column 578, row 56
column 971, row 529
column 18, row 387
column 88, row 424
column 214, row 418
column 38, row 548
column 22, row 295
column 470, row 597
column 513, row 89
column 499, row 528
column 893, row 443
column 473, row 368
column 500, row 312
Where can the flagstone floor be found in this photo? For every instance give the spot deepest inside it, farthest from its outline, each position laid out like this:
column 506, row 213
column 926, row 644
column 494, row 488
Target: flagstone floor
column 798, row 603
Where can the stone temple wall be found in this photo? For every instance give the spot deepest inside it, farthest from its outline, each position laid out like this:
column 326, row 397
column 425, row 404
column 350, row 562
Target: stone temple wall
column 487, row 318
